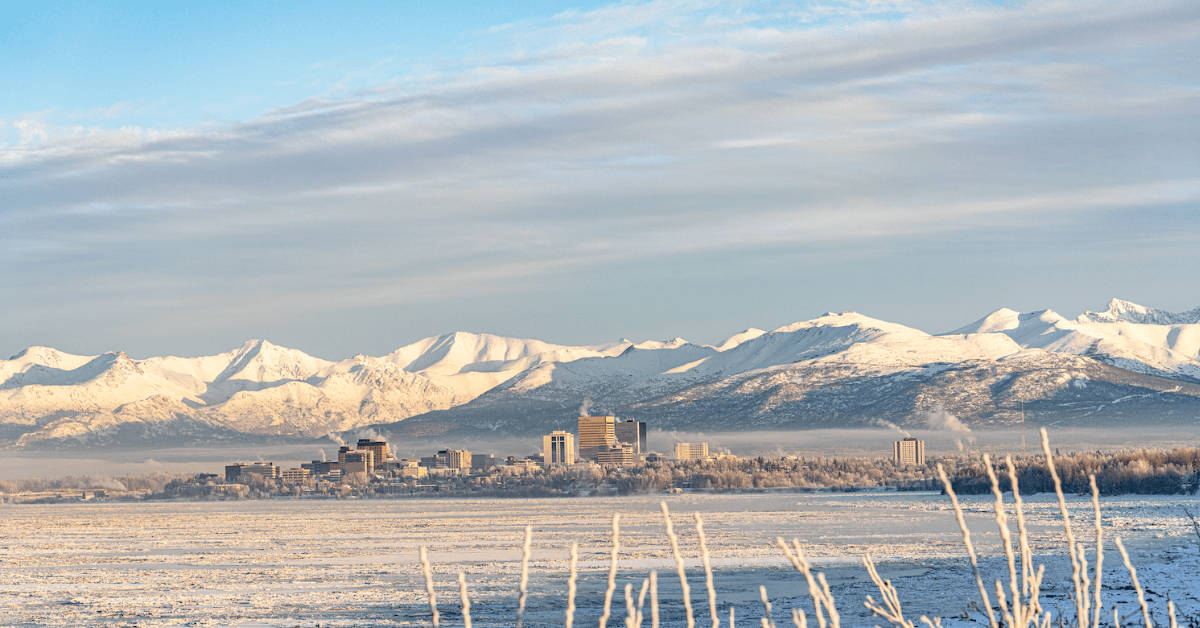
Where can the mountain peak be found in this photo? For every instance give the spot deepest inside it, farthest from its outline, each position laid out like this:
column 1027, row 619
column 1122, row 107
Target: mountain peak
column 1120, row 310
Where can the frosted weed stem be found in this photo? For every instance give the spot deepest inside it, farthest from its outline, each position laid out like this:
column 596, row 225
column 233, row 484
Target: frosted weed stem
column 653, row 599
column 466, row 600
column 427, row 569
column 1081, row 604
column 683, row 583
column 570, row 620
column 767, row 622
column 523, row 587
column 612, row 570
column 1141, row 595
column 708, row 577
column 1099, row 552
column 966, row 532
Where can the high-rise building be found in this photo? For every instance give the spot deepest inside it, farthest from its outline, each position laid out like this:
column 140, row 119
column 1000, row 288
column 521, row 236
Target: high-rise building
column 908, row 451
column 691, row 451
column 379, row 449
column 617, row 454
column 595, row 433
column 558, row 448
column 358, row 461
column 453, row 459
column 632, row 432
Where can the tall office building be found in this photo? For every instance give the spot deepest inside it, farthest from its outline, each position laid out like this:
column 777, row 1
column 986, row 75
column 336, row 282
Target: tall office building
column 909, row 451
column 595, row 433
column 632, row 432
column 558, row 448
column 453, row 459
column 691, row 451
column 379, row 449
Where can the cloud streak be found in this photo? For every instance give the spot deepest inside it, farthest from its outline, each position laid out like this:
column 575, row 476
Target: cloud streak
column 636, row 131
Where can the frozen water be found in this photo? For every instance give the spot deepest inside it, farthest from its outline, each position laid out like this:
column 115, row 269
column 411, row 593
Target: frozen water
column 352, row 562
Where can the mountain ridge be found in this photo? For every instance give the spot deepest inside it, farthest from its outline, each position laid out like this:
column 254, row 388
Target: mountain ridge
column 845, row 369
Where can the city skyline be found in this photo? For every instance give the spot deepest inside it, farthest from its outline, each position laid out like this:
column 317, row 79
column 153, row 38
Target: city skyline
column 581, row 172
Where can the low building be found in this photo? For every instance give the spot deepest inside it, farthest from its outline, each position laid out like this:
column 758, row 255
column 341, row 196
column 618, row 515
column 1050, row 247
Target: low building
column 295, row 477
column 480, row 462
column 243, row 471
column 411, row 470
column 908, row 451
column 691, row 451
column 318, row 468
column 620, row 454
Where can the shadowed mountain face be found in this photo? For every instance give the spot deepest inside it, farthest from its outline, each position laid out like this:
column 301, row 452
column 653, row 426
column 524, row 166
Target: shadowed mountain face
column 1128, row 365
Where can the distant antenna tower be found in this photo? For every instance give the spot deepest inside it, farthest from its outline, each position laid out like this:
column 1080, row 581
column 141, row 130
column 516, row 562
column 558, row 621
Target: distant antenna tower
column 1023, row 427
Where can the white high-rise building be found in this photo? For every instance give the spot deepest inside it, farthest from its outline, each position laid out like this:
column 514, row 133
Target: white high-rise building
column 909, row 451
column 691, row 451
column 558, row 449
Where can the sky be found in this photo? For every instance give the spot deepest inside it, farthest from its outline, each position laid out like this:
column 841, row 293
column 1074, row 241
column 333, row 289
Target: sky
column 346, row 178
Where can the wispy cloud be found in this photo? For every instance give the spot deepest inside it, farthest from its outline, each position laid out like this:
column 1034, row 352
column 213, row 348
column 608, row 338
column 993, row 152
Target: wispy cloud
column 634, row 131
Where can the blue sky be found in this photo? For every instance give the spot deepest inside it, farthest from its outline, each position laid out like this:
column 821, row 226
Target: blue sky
column 346, row 178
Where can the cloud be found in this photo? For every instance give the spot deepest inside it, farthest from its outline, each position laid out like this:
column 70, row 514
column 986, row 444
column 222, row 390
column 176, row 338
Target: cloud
column 636, row 131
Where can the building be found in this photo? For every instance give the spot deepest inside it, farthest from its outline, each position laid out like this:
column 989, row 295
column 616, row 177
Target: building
column 410, row 469
column 358, row 461
column 342, row 451
column 241, row 471
column 558, row 449
column 453, row 459
column 632, row 432
column 691, row 451
column 596, row 433
column 480, row 462
column 296, row 477
column 378, row 449
column 317, row 468
column 909, row 451
column 618, row 454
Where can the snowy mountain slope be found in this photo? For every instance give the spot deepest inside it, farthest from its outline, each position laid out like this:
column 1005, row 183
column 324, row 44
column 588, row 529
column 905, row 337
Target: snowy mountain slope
column 1118, row 336
column 1128, row 363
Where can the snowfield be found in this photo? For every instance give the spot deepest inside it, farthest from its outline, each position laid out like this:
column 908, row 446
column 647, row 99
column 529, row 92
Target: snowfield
column 353, row 563
column 1128, row 365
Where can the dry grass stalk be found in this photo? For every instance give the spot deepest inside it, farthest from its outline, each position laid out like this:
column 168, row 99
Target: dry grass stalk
column 630, row 609
column 653, row 599
column 767, row 622
column 966, row 533
column 1171, row 612
column 466, row 600
column 1137, row 586
column 427, row 569
column 641, row 601
column 570, row 619
column 708, row 576
column 683, row 583
column 936, row 622
column 612, row 570
column 1027, row 571
column 1011, row 605
column 731, row 624
column 523, row 587
column 1096, row 605
column 1082, row 604
column 890, row 609
column 799, row 619
column 818, row 589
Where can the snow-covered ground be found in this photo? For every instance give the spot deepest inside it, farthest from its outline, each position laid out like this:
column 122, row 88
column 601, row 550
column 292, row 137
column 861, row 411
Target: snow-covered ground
column 287, row 562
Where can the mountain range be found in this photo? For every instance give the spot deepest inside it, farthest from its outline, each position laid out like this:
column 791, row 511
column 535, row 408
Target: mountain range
column 1126, row 365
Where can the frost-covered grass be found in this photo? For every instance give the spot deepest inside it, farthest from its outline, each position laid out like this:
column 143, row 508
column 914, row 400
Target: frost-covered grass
column 356, row 562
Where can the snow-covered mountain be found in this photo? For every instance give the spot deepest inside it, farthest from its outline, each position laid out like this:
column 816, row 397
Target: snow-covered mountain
column 1127, row 364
